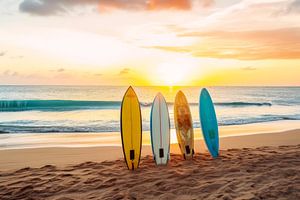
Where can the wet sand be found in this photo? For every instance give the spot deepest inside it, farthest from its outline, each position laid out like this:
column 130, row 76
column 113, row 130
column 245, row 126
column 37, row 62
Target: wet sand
column 13, row 159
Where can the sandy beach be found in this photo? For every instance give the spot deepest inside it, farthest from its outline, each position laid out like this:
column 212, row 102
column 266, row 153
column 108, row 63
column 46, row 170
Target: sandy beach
column 259, row 166
column 95, row 94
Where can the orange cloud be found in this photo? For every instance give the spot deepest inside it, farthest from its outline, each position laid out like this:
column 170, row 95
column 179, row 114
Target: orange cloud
column 244, row 45
column 52, row 7
column 169, row 4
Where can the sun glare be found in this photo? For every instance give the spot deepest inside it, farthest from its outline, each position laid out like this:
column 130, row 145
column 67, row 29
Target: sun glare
column 176, row 72
column 171, row 73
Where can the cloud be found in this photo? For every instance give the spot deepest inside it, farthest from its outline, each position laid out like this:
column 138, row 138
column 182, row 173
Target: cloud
column 290, row 7
column 15, row 74
column 98, row 74
column 207, row 3
column 249, row 68
column 10, row 73
column 17, row 57
column 6, row 73
column 42, row 7
column 53, row 7
column 243, row 45
column 294, row 7
column 236, row 16
column 169, row 4
column 125, row 71
column 61, row 70
column 2, row 53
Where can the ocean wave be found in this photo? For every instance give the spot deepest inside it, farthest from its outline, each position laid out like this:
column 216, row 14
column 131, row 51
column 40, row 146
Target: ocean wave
column 259, row 119
column 59, row 105
column 69, row 105
column 57, row 129
column 243, row 104
column 114, row 126
column 227, row 104
column 55, row 105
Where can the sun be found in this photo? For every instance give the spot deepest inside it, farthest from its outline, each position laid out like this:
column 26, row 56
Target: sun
column 171, row 74
column 178, row 71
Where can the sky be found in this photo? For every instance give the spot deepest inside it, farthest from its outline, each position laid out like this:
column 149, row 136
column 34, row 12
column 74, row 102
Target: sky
column 150, row 42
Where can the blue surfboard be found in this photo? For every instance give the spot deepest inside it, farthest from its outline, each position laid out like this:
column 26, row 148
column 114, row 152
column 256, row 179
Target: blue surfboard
column 209, row 123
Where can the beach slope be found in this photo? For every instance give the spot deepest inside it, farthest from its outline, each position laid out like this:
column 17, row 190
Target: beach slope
column 258, row 173
column 243, row 171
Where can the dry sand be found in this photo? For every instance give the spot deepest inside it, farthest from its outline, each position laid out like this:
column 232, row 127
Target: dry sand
column 260, row 173
column 247, row 169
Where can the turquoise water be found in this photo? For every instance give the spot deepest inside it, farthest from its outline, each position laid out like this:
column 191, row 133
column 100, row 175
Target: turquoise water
column 43, row 109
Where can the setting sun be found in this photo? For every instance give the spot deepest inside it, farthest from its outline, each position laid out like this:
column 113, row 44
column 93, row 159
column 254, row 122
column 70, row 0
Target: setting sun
column 171, row 73
column 175, row 72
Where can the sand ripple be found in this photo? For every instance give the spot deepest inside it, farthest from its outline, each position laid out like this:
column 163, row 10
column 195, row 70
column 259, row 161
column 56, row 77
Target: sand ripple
column 261, row 173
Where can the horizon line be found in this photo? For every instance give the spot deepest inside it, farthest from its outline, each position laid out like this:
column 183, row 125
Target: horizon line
column 150, row 85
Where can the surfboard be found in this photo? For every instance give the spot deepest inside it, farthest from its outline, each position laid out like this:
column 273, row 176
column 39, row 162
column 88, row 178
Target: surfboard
column 184, row 125
column 160, row 130
column 131, row 129
column 209, row 123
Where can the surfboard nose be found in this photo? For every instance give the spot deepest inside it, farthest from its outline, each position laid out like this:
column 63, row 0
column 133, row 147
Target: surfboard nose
column 180, row 93
column 129, row 89
column 158, row 96
column 204, row 91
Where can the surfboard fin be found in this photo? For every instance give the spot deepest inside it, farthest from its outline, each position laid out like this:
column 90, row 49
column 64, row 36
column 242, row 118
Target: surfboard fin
column 187, row 149
column 161, row 153
column 131, row 154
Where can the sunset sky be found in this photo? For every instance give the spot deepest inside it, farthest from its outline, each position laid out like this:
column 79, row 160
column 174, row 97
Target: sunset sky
column 150, row 42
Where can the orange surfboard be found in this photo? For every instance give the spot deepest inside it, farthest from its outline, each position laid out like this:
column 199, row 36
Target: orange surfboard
column 184, row 125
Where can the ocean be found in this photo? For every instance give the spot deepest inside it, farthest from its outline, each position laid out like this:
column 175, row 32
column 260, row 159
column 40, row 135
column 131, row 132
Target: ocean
column 88, row 109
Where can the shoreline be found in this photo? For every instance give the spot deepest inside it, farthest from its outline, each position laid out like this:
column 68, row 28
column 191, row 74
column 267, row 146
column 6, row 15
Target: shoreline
column 13, row 159
column 113, row 139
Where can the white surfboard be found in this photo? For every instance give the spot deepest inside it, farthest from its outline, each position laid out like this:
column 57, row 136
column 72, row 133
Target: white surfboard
column 160, row 130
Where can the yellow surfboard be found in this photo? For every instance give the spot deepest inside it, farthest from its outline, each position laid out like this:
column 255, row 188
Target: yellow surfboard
column 131, row 129
column 184, row 125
